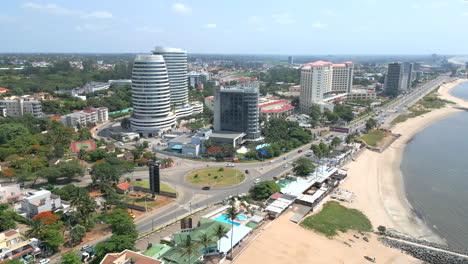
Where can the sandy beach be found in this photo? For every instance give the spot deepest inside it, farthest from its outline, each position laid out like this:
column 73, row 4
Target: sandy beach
column 377, row 181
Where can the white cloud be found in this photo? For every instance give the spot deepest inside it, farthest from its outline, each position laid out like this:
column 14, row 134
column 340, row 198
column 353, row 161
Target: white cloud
column 255, row 20
column 261, row 29
column 283, row 19
column 318, row 25
column 210, row 25
column 91, row 27
column 150, row 29
column 98, row 14
column 181, row 8
column 464, row 14
column 58, row 10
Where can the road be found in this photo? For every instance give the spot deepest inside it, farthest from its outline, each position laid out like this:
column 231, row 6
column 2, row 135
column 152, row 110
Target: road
column 191, row 198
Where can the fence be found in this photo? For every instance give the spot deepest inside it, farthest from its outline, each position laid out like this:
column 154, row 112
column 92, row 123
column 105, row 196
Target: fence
column 146, row 190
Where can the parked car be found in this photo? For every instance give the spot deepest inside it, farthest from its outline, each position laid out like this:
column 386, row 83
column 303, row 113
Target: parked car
column 85, row 247
column 229, row 165
column 285, row 166
column 257, row 180
column 299, row 151
column 246, row 171
column 206, row 188
column 44, row 261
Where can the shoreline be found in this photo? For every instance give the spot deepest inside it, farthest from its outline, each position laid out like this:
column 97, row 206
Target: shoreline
column 377, row 177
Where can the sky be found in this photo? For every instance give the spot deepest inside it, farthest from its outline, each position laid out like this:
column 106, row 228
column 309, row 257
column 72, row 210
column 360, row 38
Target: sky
column 294, row 27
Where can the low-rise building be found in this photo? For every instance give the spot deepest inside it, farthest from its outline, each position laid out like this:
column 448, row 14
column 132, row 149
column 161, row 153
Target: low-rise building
column 209, row 102
column 361, row 94
column 121, row 83
column 276, row 108
column 21, row 106
column 14, row 245
column 295, row 89
column 94, row 115
column 128, row 257
column 93, row 87
column 10, row 193
column 4, row 90
column 38, row 202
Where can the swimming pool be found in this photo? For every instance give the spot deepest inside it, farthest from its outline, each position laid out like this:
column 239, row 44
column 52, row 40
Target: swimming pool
column 242, row 217
column 224, row 218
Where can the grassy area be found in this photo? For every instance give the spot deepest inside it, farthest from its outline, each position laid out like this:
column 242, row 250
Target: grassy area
column 239, row 74
column 335, row 217
column 145, row 184
column 373, row 137
column 215, row 177
column 423, row 106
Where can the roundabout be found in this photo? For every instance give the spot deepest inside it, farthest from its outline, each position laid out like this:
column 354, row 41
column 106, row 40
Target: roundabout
column 215, row 177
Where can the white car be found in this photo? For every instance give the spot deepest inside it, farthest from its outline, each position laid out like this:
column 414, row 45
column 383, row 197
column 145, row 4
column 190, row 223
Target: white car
column 44, row 261
column 242, row 195
column 285, row 166
column 229, row 165
column 257, row 180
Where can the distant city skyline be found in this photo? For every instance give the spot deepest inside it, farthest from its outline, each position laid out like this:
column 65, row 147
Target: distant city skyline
column 236, row 27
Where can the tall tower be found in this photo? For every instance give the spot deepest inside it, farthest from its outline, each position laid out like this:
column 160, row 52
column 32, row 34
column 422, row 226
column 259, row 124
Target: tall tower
column 236, row 109
column 176, row 63
column 316, row 80
column 151, row 96
column 394, row 79
column 343, row 77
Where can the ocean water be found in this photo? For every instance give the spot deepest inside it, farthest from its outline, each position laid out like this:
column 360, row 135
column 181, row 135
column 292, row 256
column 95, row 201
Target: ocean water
column 461, row 91
column 435, row 170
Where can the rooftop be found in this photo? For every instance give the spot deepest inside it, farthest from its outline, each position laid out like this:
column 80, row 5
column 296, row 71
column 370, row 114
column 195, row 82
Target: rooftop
column 120, row 258
column 279, row 109
column 275, row 102
column 226, row 134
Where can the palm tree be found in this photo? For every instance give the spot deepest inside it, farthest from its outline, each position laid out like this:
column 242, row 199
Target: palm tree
column 188, row 247
column 84, row 204
column 205, row 240
column 37, row 229
column 232, row 214
column 220, row 232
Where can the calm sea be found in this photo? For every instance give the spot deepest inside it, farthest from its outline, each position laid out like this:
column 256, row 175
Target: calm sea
column 435, row 169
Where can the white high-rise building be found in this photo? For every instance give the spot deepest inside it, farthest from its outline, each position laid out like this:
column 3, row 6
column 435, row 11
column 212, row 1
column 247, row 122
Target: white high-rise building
column 176, row 63
column 316, row 80
column 151, row 96
column 342, row 77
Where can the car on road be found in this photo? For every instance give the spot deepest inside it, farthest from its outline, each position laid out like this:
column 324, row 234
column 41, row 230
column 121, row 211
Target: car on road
column 300, row 151
column 285, row 166
column 85, row 247
column 44, row 261
column 257, row 180
column 242, row 194
column 246, row 171
column 229, row 165
column 206, row 188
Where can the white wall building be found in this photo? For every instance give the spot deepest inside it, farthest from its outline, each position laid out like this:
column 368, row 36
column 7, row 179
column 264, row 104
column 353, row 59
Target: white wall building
column 342, row 80
column 39, row 202
column 93, row 115
column 176, row 64
column 20, row 107
column 316, row 80
column 10, row 193
column 151, row 96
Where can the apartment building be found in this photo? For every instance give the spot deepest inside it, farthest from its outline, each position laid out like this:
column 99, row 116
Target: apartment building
column 316, row 80
column 342, row 80
column 21, row 106
column 38, row 202
column 14, row 245
column 94, row 115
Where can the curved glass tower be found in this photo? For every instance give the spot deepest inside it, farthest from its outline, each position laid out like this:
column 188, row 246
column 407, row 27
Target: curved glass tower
column 151, row 96
column 176, row 63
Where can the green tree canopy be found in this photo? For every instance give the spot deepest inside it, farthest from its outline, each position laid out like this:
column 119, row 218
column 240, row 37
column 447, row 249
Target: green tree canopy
column 264, row 189
column 105, row 173
column 70, row 258
column 303, row 167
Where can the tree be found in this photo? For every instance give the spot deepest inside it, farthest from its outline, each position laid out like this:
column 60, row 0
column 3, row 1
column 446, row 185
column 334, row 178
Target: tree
column 51, row 174
column 6, row 219
column 219, row 232
column 232, row 214
column 84, row 134
column 349, row 138
column 37, row 229
column 70, row 258
column 14, row 261
column 53, row 239
column 77, row 233
column 188, row 247
column 264, row 189
column 105, row 173
column 382, row 229
column 371, row 123
column 335, row 142
column 303, row 167
column 122, row 224
column 205, row 240
column 125, row 123
column 47, row 217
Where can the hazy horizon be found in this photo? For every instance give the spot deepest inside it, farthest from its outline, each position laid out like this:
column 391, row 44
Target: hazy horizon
column 361, row 27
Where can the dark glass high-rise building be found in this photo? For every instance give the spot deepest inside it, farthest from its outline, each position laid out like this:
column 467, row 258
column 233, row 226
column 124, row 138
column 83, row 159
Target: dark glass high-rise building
column 393, row 79
column 236, row 109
